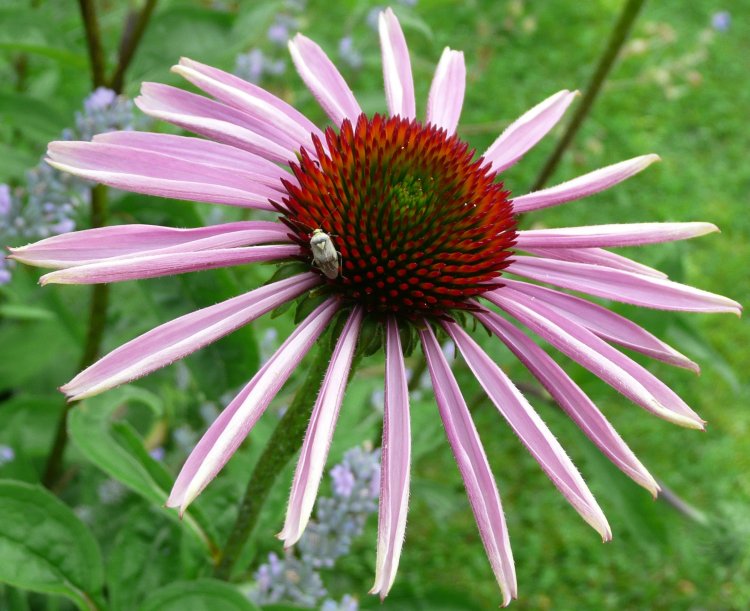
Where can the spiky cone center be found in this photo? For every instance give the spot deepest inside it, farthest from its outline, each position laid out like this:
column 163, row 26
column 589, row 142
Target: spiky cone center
column 420, row 225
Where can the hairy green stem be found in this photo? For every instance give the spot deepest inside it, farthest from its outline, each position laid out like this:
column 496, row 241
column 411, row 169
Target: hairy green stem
column 284, row 443
column 606, row 61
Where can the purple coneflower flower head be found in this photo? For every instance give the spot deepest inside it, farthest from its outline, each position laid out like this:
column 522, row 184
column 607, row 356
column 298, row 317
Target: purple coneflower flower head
column 416, row 232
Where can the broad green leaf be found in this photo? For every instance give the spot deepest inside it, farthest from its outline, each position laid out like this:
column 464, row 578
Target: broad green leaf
column 201, row 595
column 147, row 540
column 64, row 56
column 44, row 547
column 36, row 118
column 117, row 449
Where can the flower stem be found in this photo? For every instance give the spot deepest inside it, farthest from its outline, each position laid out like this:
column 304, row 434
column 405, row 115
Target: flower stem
column 606, row 61
column 135, row 26
column 284, row 443
column 93, row 41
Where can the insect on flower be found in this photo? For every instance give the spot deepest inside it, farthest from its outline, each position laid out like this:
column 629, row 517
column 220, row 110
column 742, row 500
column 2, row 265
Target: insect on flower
column 325, row 256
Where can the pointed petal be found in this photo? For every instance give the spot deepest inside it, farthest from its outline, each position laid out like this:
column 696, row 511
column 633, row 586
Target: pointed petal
column 622, row 286
column 228, row 431
column 611, row 366
column 597, row 256
column 209, row 118
column 531, row 430
column 246, row 96
column 583, row 186
column 605, row 323
column 319, row 434
column 570, row 398
column 521, row 135
column 472, row 463
column 157, row 174
column 260, row 106
column 395, row 464
column 204, row 152
column 182, row 336
column 399, row 85
column 93, row 245
column 324, row 80
column 447, row 91
column 611, row 236
column 153, row 265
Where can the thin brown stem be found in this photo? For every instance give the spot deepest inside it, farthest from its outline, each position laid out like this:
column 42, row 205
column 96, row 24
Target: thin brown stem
column 606, row 61
column 135, row 26
column 93, row 42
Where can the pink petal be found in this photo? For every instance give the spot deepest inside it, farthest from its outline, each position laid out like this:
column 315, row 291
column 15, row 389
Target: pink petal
column 323, row 80
column 228, row 431
column 204, row 152
column 92, row 245
column 604, row 323
column 158, row 174
column 614, row 368
column 583, row 186
column 622, row 286
column 531, row 430
column 208, row 118
column 571, row 399
column 610, row 236
column 267, row 110
column 182, row 336
column 399, row 85
column 319, row 434
column 304, row 125
column 395, row 464
column 596, row 256
column 472, row 463
column 447, row 91
column 527, row 130
column 153, row 265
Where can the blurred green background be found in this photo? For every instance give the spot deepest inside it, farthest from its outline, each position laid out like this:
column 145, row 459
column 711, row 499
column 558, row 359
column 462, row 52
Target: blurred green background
column 680, row 89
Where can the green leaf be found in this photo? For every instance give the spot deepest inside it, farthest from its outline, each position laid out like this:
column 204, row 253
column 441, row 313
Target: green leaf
column 19, row 311
column 44, row 547
column 146, row 540
column 201, row 595
column 117, row 449
column 37, row 118
column 65, row 57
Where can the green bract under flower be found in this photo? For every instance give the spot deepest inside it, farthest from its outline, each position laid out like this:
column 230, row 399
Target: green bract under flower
column 421, row 225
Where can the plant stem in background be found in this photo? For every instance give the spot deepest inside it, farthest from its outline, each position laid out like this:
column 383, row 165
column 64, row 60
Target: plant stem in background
column 284, row 443
column 132, row 34
column 606, row 61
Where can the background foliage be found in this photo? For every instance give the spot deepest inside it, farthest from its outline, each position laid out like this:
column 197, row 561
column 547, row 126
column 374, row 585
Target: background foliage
column 101, row 538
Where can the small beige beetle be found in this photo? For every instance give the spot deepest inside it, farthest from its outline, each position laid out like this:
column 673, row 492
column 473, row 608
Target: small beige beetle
column 325, row 256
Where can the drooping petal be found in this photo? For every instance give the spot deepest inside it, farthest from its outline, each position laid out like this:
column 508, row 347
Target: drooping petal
column 597, row 256
column 571, row 399
column 447, row 91
column 531, row 430
column 583, row 186
column 619, row 285
column 399, row 85
column 472, row 463
column 283, row 122
column 93, row 245
column 527, row 130
column 157, row 174
column 605, row 323
column 395, row 464
column 228, row 431
column 205, row 152
column 209, row 118
column 182, row 336
column 611, row 236
column 319, row 434
column 613, row 367
column 324, row 80
column 153, row 265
